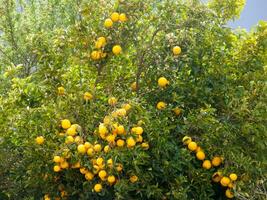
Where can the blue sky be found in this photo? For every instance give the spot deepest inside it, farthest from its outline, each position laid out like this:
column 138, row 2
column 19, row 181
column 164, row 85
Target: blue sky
column 254, row 11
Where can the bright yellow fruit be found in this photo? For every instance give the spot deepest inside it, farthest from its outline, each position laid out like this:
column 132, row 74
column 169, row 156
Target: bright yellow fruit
column 106, row 149
column 57, row 168
column 139, row 138
column 111, row 138
column 97, row 147
column 233, row 177
column 133, row 179
column 130, row 142
column 200, row 155
column 192, row 146
column 216, row 161
column 177, row 111
column 108, row 23
column 120, row 129
column 176, row 50
column 115, row 17
column 161, row 105
column 89, row 176
column 111, row 179
column 229, row 194
column 57, row 159
column 102, row 174
column 225, row 181
column 112, row 101
column 64, row 165
column 138, row 130
column 96, row 55
column 71, row 131
column 206, row 164
column 145, row 145
column 81, row 149
column 163, row 82
column 87, row 145
column 116, row 49
column 61, row 90
column 121, row 112
column 127, row 107
column 98, row 187
column 198, row 149
column 39, row 140
column 123, row 17
column 120, row 143
column 87, row 96
column 102, row 129
column 186, row 140
column 83, row 170
column 102, row 40
column 90, row 152
column 69, row 139
column 46, row 197
column 110, row 163
column 99, row 161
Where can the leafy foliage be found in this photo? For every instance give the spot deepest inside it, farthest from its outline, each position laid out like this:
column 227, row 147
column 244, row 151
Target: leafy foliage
column 218, row 84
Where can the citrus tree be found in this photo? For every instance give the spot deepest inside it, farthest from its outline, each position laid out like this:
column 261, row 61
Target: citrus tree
column 131, row 100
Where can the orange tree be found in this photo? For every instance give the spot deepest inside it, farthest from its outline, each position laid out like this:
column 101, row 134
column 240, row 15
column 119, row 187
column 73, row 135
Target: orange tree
column 131, row 100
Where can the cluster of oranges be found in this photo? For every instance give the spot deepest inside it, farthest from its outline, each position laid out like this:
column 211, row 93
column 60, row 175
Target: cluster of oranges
column 163, row 83
column 108, row 136
column 101, row 42
column 216, row 161
column 87, row 96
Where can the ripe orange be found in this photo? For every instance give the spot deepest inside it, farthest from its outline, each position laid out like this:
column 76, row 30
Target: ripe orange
column 200, row 155
column 108, row 23
column 233, row 177
column 56, row 159
column 115, row 17
column 186, row 140
column 161, row 105
column 192, row 146
column 216, row 161
column 97, row 147
column 89, row 176
column 145, row 145
column 81, row 149
column 57, row 168
column 130, row 142
column 138, row 130
column 98, row 187
column 87, row 96
column 111, row 179
column 123, row 17
column 116, row 49
column 176, row 50
column 133, row 178
column 120, row 143
column 206, row 164
column 39, row 140
column 163, row 82
column 225, row 181
column 229, row 194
